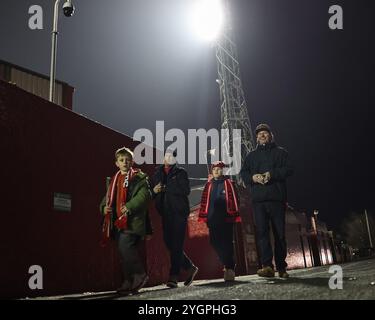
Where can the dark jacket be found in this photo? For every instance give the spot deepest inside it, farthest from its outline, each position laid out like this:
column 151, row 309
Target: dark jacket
column 138, row 199
column 219, row 202
column 174, row 200
column 217, row 210
column 265, row 158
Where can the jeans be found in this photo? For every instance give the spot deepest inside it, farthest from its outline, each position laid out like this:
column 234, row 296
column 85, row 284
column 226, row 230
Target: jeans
column 131, row 262
column 265, row 213
column 174, row 229
column 221, row 238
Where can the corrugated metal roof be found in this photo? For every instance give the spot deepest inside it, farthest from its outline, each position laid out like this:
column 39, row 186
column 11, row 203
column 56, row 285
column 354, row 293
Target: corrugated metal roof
column 37, row 74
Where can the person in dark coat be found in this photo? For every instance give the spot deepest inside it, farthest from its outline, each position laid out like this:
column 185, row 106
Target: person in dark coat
column 220, row 210
column 264, row 172
column 171, row 188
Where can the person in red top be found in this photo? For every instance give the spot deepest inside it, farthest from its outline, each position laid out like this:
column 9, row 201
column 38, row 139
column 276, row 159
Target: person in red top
column 220, row 210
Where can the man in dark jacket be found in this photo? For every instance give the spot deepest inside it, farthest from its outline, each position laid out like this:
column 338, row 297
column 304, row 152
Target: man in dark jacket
column 265, row 171
column 171, row 190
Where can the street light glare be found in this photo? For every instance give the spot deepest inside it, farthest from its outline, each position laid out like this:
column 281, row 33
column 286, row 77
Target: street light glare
column 207, row 18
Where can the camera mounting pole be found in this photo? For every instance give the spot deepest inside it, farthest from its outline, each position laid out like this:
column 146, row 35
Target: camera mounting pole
column 69, row 4
column 53, row 53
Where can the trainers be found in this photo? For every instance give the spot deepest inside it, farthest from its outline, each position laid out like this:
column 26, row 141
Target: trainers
column 172, row 282
column 229, row 274
column 139, row 282
column 191, row 274
column 283, row 274
column 266, row 272
column 125, row 288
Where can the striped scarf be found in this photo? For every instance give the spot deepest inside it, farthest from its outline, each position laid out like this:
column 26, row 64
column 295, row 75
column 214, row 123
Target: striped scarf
column 121, row 199
column 233, row 211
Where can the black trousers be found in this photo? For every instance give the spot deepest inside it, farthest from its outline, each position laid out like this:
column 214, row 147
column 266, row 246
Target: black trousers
column 266, row 213
column 174, row 228
column 131, row 262
column 221, row 239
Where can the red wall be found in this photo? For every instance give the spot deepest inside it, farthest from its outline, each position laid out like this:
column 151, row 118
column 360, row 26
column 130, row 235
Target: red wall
column 44, row 149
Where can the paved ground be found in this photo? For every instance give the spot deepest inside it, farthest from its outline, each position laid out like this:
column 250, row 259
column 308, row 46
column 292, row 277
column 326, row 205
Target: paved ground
column 358, row 283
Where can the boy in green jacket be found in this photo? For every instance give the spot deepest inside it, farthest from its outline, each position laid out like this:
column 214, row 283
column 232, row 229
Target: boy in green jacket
column 125, row 210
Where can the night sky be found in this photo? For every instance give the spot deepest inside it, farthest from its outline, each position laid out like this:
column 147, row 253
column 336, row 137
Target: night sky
column 135, row 62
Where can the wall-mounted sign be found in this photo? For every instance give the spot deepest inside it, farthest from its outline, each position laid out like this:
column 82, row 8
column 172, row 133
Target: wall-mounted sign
column 62, row 202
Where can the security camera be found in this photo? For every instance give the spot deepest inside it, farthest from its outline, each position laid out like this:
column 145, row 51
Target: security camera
column 68, row 8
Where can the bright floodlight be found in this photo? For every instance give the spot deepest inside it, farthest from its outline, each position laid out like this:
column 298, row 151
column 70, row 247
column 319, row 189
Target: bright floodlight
column 207, row 18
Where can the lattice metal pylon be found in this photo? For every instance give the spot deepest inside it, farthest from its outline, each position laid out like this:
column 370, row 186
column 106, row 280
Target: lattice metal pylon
column 234, row 113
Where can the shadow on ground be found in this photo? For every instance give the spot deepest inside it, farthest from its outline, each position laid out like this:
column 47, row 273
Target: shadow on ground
column 113, row 295
column 167, row 292
column 313, row 281
column 222, row 284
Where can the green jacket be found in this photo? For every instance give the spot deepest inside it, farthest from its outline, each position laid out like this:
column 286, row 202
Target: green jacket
column 139, row 197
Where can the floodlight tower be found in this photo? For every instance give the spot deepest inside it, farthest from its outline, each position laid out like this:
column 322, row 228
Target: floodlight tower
column 212, row 22
column 234, row 112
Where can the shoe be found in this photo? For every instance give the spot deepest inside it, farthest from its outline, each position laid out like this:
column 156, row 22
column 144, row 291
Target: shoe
column 125, row 288
column 139, row 282
column 266, row 272
column 172, row 282
column 283, row 274
column 229, row 275
column 191, row 274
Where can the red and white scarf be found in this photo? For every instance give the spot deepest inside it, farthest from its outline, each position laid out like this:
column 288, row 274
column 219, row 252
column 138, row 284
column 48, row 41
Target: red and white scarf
column 121, row 194
column 233, row 211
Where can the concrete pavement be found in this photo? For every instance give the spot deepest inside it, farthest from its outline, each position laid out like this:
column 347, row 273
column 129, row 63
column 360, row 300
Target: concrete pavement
column 358, row 282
